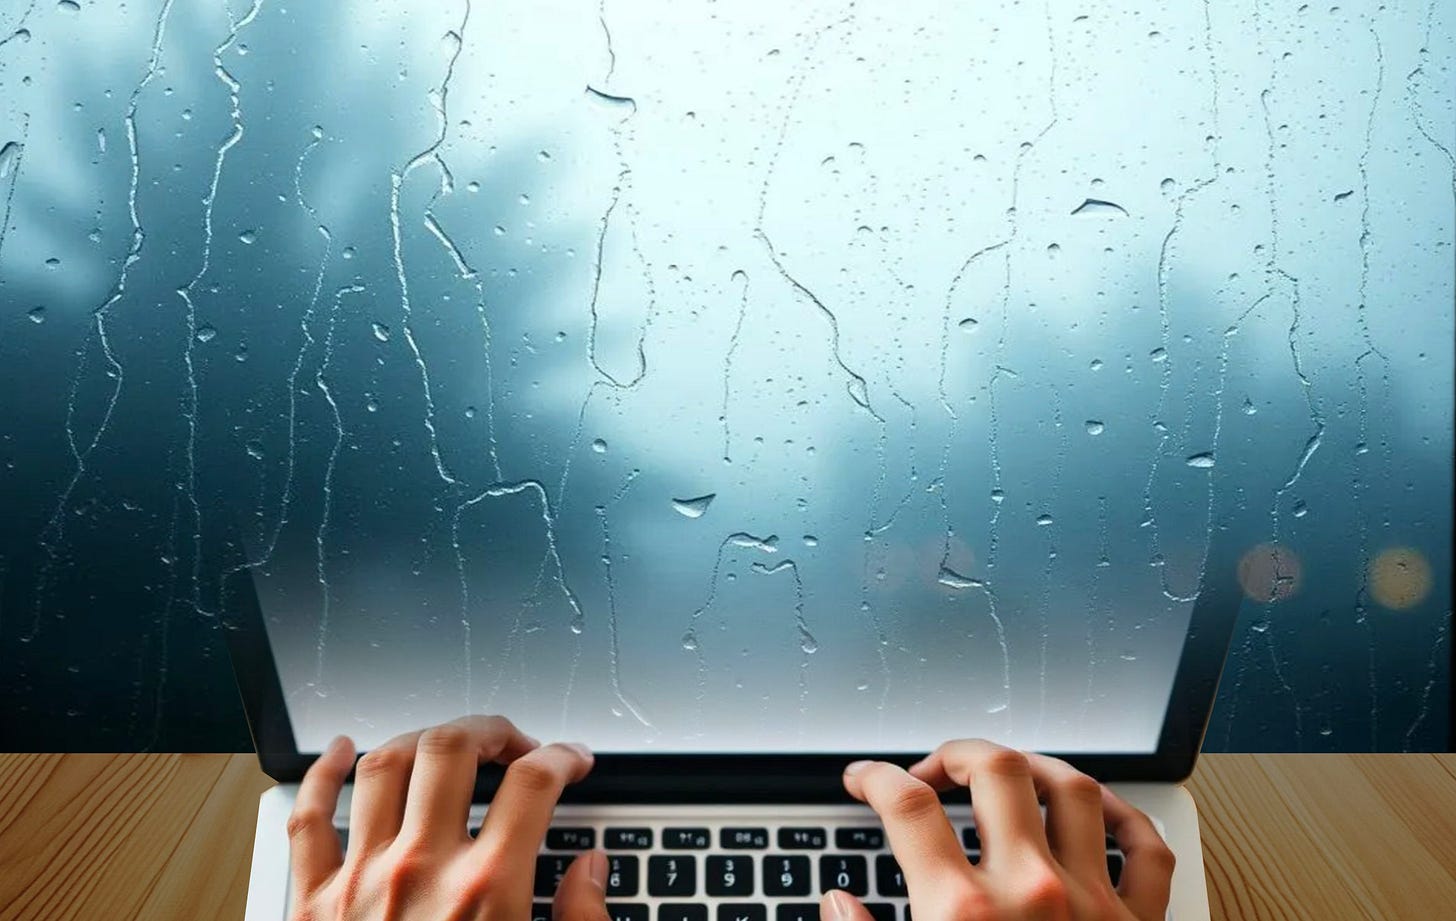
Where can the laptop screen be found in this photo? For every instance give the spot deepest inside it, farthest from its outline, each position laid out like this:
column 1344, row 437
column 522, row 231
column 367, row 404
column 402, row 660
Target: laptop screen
column 810, row 378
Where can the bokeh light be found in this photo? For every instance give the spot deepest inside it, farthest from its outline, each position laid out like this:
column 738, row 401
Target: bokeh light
column 1400, row 578
column 1269, row 573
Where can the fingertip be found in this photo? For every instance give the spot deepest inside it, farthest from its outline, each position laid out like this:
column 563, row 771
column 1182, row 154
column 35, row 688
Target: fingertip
column 581, row 749
column 836, row 905
column 341, row 747
column 596, row 869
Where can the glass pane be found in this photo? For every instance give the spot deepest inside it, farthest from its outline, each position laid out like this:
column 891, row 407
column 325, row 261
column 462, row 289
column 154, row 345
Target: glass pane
column 684, row 376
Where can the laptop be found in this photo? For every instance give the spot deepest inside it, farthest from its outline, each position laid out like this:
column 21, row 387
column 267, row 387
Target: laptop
column 753, row 828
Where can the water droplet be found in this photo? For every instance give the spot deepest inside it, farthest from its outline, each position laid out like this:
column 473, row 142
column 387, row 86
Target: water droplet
column 348, row 252
column 1249, row 407
column 694, row 508
column 859, row 391
column 810, row 540
column 37, row 314
column 690, row 641
column 381, row 332
column 1168, row 185
column 1362, row 448
column 53, row 263
column 1043, row 520
column 1094, row 427
column 248, row 236
column 470, row 412
column 69, row 6
column 1158, row 354
column 543, row 156
column 952, row 579
column 9, row 155
column 768, row 544
column 1341, row 196
column 599, row 446
column 500, row 231
column 997, row 708
column 807, row 644
column 255, row 450
column 622, row 105
column 101, row 140
column 862, row 685
column 998, row 495
column 1100, row 207
column 371, row 404
column 22, row 35
column 95, row 235
column 1203, row 460
column 1300, row 509
column 1096, row 364
column 1054, row 249
column 206, row 334
column 968, row 325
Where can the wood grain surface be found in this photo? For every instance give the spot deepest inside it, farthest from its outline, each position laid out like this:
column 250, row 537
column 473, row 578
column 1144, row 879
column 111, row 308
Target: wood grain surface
column 169, row 837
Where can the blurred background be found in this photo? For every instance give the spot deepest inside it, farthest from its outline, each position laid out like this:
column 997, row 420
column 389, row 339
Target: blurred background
column 810, row 360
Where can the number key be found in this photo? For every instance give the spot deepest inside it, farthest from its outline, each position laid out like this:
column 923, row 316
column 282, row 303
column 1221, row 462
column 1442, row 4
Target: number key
column 847, row 872
column 730, row 876
column 672, row 875
column 785, row 875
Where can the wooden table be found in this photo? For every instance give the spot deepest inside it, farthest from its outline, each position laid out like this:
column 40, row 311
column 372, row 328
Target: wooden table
column 163, row 837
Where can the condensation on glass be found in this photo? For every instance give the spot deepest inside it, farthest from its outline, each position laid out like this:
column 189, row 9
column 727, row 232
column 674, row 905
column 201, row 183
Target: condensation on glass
column 698, row 375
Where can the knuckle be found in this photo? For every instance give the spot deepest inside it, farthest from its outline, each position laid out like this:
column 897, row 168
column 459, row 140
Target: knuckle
column 305, row 819
column 1043, row 893
column 532, row 775
column 1078, row 786
column 408, row 869
column 1006, row 762
column 445, row 740
column 382, row 762
column 913, row 800
column 1164, row 857
column 967, row 901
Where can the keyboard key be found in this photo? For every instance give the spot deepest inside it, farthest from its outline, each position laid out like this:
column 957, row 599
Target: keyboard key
column 549, row 870
column 1114, row 867
column 801, row 839
column 730, row 876
column 540, row 911
column 622, row 874
column 570, row 839
column 859, row 839
column 849, row 872
column 685, row 839
column 888, row 878
column 797, row 911
column 627, row 839
column 672, row 875
column 343, row 838
column 626, row 911
column 681, row 911
column 880, row 911
column 786, row 875
column 741, row 838
column 739, row 911
column 971, row 838
column 907, row 912
column 974, row 857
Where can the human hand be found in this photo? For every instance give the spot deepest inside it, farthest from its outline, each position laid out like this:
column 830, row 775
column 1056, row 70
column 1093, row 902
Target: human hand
column 1055, row 871
column 410, row 857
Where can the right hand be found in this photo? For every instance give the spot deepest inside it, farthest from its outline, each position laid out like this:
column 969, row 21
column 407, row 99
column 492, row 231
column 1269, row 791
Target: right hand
column 1055, row 871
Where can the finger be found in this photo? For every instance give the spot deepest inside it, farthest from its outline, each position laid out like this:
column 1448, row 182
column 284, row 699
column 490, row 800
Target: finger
column 1003, row 796
column 447, row 758
column 582, row 893
column 1147, row 875
column 1075, row 830
column 920, row 835
column 313, row 843
column 380, row 781
column 520, row 811
column 838, row 905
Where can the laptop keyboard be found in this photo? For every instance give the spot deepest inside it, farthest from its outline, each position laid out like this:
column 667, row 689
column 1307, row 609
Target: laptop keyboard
column 736, row 872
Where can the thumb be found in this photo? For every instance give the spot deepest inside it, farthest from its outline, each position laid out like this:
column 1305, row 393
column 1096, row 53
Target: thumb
column 582, row 893
column 838, row 905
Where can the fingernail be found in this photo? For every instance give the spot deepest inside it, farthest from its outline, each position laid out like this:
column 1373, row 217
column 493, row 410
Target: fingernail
column 596, row 868
column 839, row 907
column 854, row 767
column 583, row 750
column 340, row 743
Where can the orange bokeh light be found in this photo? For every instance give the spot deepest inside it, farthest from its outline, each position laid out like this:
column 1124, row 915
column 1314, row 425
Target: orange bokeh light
column 1269, row 573
column 1400, row 578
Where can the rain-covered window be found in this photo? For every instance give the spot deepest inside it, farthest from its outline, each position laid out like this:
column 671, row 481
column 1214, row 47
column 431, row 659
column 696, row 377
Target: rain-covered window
column 687, row 375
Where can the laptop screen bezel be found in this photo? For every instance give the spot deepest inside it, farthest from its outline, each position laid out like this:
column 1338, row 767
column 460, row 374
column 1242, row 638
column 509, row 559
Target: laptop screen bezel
column 774, row 777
